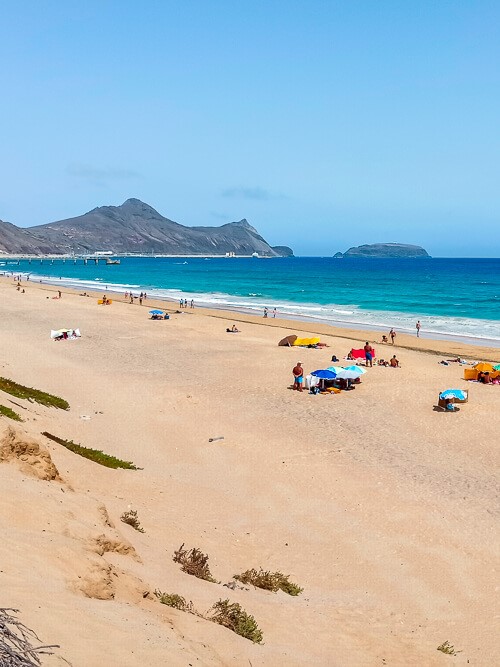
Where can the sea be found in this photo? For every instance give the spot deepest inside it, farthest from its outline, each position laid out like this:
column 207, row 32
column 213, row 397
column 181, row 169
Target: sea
column 457, row 299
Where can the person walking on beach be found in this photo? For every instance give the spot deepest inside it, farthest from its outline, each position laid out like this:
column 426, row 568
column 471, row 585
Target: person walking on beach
column 140, row 300
column 59, row 293
column 274, row 312
column 265, row 311
column 392, row 334
column 368, row 354
column 417, row 327
column 298, row 376
column 192, row 303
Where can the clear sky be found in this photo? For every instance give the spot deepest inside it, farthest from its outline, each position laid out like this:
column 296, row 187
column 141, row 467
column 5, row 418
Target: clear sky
column 325, row 124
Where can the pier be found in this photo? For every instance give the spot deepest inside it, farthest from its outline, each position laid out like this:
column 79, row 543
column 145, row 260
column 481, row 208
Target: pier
column 70, row 259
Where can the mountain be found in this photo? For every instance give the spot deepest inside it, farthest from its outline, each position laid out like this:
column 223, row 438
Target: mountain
column 385, row 250
column 134, row 227
column 16, row 240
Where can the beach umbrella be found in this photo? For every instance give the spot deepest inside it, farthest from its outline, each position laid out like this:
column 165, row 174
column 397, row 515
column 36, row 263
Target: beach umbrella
column 484, row 367
column 356, row 369
column 459, row 394
column 497, row 367
column 288, row 341
column 324, row 374
column 156, row 312
column 335, row 369
column 347, row 375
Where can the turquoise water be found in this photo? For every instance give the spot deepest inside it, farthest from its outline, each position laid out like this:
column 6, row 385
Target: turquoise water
column 451, row 297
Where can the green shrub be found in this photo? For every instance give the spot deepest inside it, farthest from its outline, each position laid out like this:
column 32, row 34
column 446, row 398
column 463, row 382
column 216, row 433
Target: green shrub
column 269, row 581
column 20, row 391
column 194, row 562
column 176, row 601
column 232, row 616
column 7, row 412
column 92, row 454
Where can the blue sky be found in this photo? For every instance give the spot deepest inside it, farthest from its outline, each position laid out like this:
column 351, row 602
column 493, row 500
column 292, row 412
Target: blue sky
column 325, row 124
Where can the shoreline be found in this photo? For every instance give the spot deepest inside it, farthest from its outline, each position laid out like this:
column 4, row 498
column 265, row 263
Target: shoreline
column 438, row 346
column 286, row 310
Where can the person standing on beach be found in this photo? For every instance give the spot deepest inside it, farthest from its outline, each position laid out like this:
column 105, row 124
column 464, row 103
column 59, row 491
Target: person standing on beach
column 140, row 300
column 392, row 334
column 368, row 354
column 274, row 312
column 298, row 376
column 192, row 303
column 417, row 327
column 265, row 311
column 59, row 293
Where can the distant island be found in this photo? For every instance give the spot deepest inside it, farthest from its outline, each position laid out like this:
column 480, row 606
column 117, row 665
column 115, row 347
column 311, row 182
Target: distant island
column 385, row 250
column 134, row 227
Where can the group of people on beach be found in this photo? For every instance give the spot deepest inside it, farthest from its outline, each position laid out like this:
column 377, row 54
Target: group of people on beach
column 392, row 333
column 183, row 303
column 266, row 312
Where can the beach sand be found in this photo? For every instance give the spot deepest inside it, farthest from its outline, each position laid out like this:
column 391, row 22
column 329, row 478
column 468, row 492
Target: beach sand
column 384, row 510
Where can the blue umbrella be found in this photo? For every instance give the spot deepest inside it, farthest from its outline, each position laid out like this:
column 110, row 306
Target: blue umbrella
column 156, row 312
column 356, row 369
column 453, row 393
column 324, row 375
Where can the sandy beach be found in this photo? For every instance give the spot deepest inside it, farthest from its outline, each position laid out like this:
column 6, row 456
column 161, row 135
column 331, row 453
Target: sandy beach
column 384, row 510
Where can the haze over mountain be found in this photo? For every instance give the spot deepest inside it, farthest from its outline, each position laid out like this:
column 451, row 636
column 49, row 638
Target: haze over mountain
column 134, row 227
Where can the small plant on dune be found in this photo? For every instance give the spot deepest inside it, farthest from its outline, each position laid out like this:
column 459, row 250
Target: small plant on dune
column 176, row 602
column 232, row 616
column 269, row 581
column 447, row 648
column 7, row 412
column 92, row 454
column 20, row 391
column 194, row 562
column 130, row 517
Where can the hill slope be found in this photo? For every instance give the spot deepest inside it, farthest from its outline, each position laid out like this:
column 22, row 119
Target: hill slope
column 387, row 250
column 137, row 227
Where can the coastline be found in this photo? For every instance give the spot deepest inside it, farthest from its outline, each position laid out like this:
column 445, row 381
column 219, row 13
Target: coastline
column 469, row 349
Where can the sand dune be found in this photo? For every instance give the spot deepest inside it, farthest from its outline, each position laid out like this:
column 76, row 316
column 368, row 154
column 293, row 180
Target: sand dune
column 382, row 509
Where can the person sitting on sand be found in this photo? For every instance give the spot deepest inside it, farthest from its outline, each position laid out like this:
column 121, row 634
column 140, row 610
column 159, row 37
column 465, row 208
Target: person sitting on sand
column 298, row 376
column 349, row 356
column 385, row 339
column 233, row 329
column 450, row 406
column 394, row 362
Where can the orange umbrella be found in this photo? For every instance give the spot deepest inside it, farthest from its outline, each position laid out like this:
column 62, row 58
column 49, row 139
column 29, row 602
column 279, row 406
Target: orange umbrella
column 484, row 367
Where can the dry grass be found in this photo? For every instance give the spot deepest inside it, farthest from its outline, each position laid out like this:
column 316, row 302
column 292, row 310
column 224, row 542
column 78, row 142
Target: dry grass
column 130, row 518
column 269, row 581
column 194, row 562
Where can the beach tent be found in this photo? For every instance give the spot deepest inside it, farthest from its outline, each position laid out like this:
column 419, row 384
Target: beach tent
column 305, row 342
column 65, row 334
column 288, row 341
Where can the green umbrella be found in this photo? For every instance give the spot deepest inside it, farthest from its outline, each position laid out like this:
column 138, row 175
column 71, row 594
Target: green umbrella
column 497, row 367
